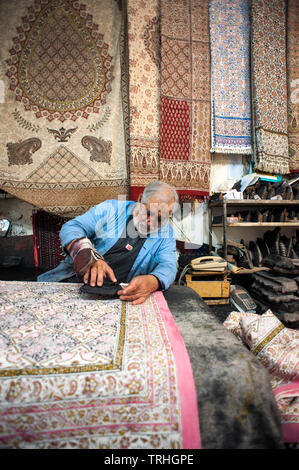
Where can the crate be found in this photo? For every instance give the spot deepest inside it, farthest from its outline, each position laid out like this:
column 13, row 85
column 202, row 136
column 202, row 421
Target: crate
column 213, row 288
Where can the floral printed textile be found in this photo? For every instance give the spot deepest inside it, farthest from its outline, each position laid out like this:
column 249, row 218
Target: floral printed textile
column 277, row 347
column 169, row 83
column 230, row 76
column 76, row 371
column 185, row 96
column 269, row 85
column 293, row 82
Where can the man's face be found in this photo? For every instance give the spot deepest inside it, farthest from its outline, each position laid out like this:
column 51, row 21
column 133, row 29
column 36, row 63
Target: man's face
column 152, row 215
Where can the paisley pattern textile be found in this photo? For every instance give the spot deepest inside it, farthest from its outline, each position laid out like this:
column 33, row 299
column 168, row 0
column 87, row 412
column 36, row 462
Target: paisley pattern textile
column 79, row 372
column 293, row 82
column 269, row 83
column 63, row 144
column 185, row 96
column 144, row 93
column 277, row 348
column 230, row 76
column 169, row 87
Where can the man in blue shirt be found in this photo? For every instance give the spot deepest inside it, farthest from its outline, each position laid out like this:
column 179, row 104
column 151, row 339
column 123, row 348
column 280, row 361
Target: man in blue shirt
column 123, row 241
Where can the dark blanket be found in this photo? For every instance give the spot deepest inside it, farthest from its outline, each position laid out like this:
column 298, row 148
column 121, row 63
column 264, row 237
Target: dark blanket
column 237, row 409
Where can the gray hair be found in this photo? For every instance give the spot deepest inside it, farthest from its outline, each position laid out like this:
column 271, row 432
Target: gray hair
column 159, row 188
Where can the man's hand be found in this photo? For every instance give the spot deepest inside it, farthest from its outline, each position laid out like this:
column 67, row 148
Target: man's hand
column 139, row 289
column 97, row 272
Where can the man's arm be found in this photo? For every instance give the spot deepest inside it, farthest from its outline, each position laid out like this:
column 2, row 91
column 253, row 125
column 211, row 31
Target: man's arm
column 75, row 237
column 166, row 267
column 163, row 275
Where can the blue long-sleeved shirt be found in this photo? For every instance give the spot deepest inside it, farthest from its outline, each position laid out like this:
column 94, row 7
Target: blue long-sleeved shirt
column 103, row 224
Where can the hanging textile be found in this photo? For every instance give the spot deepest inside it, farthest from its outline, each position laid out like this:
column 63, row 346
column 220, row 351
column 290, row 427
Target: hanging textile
column 144, row 93
column 293, row 82
column 76, row 372
column 62, row 128
column 269, row 85
column 169, row 95
column 185, row 96
column 230, row 76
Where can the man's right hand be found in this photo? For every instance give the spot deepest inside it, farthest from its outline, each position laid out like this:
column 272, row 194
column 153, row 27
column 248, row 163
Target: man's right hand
column 97, row 272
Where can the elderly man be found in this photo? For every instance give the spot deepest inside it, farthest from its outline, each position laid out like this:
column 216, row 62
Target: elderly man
column 124, row 242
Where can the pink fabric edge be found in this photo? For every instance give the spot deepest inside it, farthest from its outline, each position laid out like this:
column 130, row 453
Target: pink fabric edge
column 287, row 389
column 188, row 400
column 290, row 431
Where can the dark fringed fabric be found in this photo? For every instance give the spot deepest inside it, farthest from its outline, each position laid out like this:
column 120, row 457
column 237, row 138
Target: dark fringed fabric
column 47, row 246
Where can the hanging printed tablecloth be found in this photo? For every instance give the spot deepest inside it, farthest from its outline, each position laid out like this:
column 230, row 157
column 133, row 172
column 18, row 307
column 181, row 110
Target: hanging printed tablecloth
column 268, row 61
column 277, row 347
column 169, row 95
column 230, row 76
column 62, row 118
column 144, row 93
column 185, row 96
column 293, row 82
column 79, row 372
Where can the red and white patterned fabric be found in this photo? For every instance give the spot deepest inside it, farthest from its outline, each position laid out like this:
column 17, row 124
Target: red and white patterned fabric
column 185, row 96
column 63, row 112
column 169, row 83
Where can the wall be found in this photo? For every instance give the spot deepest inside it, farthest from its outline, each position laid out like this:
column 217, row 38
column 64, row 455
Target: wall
column 19, row 213
column 225, row 171
column 193, row 228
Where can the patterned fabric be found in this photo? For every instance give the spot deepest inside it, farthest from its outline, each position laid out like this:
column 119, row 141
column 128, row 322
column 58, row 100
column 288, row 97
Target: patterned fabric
column 293, row 82
column 47, row 245
column 79, row 372
column 169, row 95
column 143, row 44
column 185, row 96
column 277, row 348
column 230, row 76
column 63, row 142
column 268, row 60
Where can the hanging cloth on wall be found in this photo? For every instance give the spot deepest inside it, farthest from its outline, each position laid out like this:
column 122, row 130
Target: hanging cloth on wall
column 143, row 52
column 230, row 76
column 269, row 85
column 293, row 82
column 185, row 96
column 62, row 128
column 169, row 95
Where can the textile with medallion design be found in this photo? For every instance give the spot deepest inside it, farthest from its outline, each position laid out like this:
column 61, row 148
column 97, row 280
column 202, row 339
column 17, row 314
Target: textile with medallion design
column 185, row 96
column 80, row 372
column 63, row 140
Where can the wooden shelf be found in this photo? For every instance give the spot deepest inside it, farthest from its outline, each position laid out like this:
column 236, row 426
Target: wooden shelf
column 254, row 202
column 226, row 204
column 260, row 224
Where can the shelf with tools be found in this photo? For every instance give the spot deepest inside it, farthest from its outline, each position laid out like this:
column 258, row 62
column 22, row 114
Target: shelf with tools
column 268, row 209
column 260, row 224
